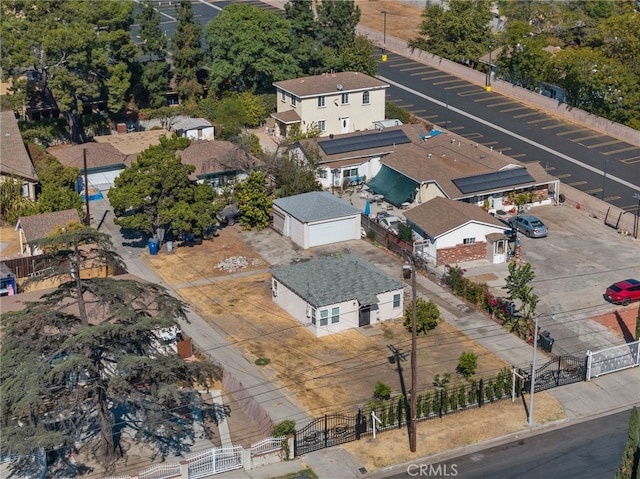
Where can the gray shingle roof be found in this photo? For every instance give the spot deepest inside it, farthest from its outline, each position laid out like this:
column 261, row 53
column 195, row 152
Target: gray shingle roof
column 15, row 159
column 39, row 226
column 336, row 278
column 315, row 206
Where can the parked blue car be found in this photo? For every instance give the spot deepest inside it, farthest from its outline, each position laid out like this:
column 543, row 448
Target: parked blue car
column 531, row 226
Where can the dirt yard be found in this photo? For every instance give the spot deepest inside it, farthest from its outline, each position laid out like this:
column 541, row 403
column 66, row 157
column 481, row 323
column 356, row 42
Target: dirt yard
column 403, row 19
column 336, row 373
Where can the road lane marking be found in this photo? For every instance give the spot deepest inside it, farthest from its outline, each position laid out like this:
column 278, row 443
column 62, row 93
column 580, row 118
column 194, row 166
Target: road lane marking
column 577, row 183
column 524, row 115
column 569, row 132
column 631, row 161
column 421, row 67
column 540, row 120
column 514, row 109
column 597, row 145
column 621, row 150
column 455, row 86
column 564, row 175
column 436, row 76
column 471, row 93
column 456, row 80
column 597, row 135
column 500, row 104
column 551, row 127
column 489, row 124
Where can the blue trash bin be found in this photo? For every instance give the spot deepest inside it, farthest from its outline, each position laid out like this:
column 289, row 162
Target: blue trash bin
column 153, row 246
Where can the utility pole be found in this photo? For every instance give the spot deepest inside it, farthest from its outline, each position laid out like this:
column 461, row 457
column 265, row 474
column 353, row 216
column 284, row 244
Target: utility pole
column 414, row 356
column 86, row 187
column 384, row 36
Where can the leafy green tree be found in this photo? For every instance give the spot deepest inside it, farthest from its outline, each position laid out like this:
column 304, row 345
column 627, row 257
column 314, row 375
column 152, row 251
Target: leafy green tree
column 293, row 175
column 154, row 67
column 459, row 33
column 250, row 58
column 618, row 37
column 359, row 56
column 12, row 203
column 156, row 192
column 253, row 201
column 57, row 183
column 597, row 84
column 74, row 378
column 517, row 287
column 187, row 53
column 427, row 316
column 467, row 364
column 254, row 109
column 638, row 325
column 629, row 461
column 394, row 112
column 523, row 59
column 75, row 46
column 336, row 23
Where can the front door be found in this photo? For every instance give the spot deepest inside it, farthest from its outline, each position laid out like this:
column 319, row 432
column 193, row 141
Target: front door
column 344, row 124
column 365, row 316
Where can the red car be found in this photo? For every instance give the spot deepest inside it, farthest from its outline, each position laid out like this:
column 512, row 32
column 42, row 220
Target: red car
column 623, row 292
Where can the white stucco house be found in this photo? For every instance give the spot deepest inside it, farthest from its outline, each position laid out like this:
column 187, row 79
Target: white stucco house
column 193, row 128
column 336, row 293
column 316, row 218
column 456, row 231
column 336, row 103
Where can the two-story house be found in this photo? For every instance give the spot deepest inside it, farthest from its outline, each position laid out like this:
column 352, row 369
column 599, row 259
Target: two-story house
column 335, row 103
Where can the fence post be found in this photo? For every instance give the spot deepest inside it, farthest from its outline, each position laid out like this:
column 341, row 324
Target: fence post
column 480, row 392
column 588, row 359
column 247, row 458
column 441, row 398
column 184, row 469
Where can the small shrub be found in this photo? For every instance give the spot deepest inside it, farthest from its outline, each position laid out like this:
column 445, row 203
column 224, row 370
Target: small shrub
column 426, row 404
column 462, row 396
column 284, row 428
column 441, row 381
column 467, row 364
column 381, row 391
column 262, row 361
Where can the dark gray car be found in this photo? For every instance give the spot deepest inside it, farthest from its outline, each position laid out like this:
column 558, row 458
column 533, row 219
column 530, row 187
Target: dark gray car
column 531, row 226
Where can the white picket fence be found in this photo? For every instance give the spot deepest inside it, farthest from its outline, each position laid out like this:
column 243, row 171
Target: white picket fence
column 613, row 359
column 214, row 461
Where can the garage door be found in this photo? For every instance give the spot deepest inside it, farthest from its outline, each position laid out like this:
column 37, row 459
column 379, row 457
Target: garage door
column 333, row 231
column 278, row 221
column 103, row 180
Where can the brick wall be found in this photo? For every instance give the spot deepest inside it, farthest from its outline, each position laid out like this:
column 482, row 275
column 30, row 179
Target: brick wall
column 461, row 253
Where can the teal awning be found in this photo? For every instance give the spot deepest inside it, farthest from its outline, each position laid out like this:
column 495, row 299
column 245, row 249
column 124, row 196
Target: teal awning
column 394, row 186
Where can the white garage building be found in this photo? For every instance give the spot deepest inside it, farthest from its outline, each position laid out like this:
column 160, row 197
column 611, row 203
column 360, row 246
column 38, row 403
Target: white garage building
column 316, row 218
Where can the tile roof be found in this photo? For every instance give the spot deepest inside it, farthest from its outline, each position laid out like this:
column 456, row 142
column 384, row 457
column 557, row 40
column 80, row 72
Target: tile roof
column 99, row 155
column 315, row 206
column 329, row 83
column 211, row 157
column 287, row 117
column 440, row 215
column 336, row 278
column 36, row 227
column 15, row 159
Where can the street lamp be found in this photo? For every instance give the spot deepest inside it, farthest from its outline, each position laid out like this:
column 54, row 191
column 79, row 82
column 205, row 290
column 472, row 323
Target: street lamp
column 414, row 359
column 384, row 36
column 533, row 368
column 637, row 218
column 489, row 73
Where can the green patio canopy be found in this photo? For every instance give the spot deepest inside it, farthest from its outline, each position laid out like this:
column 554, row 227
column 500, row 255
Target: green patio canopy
column 395, row 187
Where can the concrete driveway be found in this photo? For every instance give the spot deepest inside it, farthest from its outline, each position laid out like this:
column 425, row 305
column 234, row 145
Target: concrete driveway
column 573, row 266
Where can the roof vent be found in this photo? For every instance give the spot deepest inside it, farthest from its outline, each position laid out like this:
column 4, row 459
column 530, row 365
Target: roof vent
column 339, row 86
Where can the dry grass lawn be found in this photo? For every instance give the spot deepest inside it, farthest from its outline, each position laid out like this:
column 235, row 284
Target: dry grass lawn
column 403, row 19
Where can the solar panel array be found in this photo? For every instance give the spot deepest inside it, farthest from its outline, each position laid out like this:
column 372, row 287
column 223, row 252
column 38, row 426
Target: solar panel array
column 376, row 139
column 491, row 181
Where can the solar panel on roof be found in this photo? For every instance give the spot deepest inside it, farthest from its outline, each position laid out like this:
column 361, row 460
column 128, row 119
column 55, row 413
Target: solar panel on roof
column 490, row 181
column 362, row 142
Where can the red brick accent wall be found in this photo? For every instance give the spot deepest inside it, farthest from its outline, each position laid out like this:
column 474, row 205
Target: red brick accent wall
column 461, row 253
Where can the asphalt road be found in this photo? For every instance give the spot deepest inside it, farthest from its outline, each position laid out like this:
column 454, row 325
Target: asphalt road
column 589, row 160
column 591, row 449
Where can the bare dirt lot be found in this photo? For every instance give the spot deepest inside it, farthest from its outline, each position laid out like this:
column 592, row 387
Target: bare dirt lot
column 336, row 373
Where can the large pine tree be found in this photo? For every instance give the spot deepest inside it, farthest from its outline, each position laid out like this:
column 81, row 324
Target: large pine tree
column 88, row 364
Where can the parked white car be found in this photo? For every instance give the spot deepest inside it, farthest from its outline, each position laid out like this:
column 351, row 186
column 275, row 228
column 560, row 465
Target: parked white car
column 391, row 223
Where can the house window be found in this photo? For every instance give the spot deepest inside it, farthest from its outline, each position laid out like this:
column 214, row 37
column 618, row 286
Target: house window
column 25, row 190
column 313, row 315
column 324, row 174
column 365, row 98
column 293, row 100
column 283, row 96
column 350, row 172
column 324, row 317
column 322, row 125
column 500, row 247
column 469, row 241
column 321, row 100
column 345, row 98
column 335, row 315
column 396, row 300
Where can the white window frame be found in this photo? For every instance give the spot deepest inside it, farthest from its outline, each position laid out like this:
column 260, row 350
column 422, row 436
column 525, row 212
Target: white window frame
column 469, row 241
column 322, row 101
column 366, row 97
column 335, row 314
column 396, row 300
column 324, row 317
column 283, row 96
column 294, row 100
column 345, row 98
column 322, row 125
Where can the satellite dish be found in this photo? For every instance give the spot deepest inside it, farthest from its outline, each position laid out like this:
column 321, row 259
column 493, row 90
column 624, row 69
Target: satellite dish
column 340, row 86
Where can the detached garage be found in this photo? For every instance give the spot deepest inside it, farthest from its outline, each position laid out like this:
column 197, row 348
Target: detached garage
column 315, row 219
